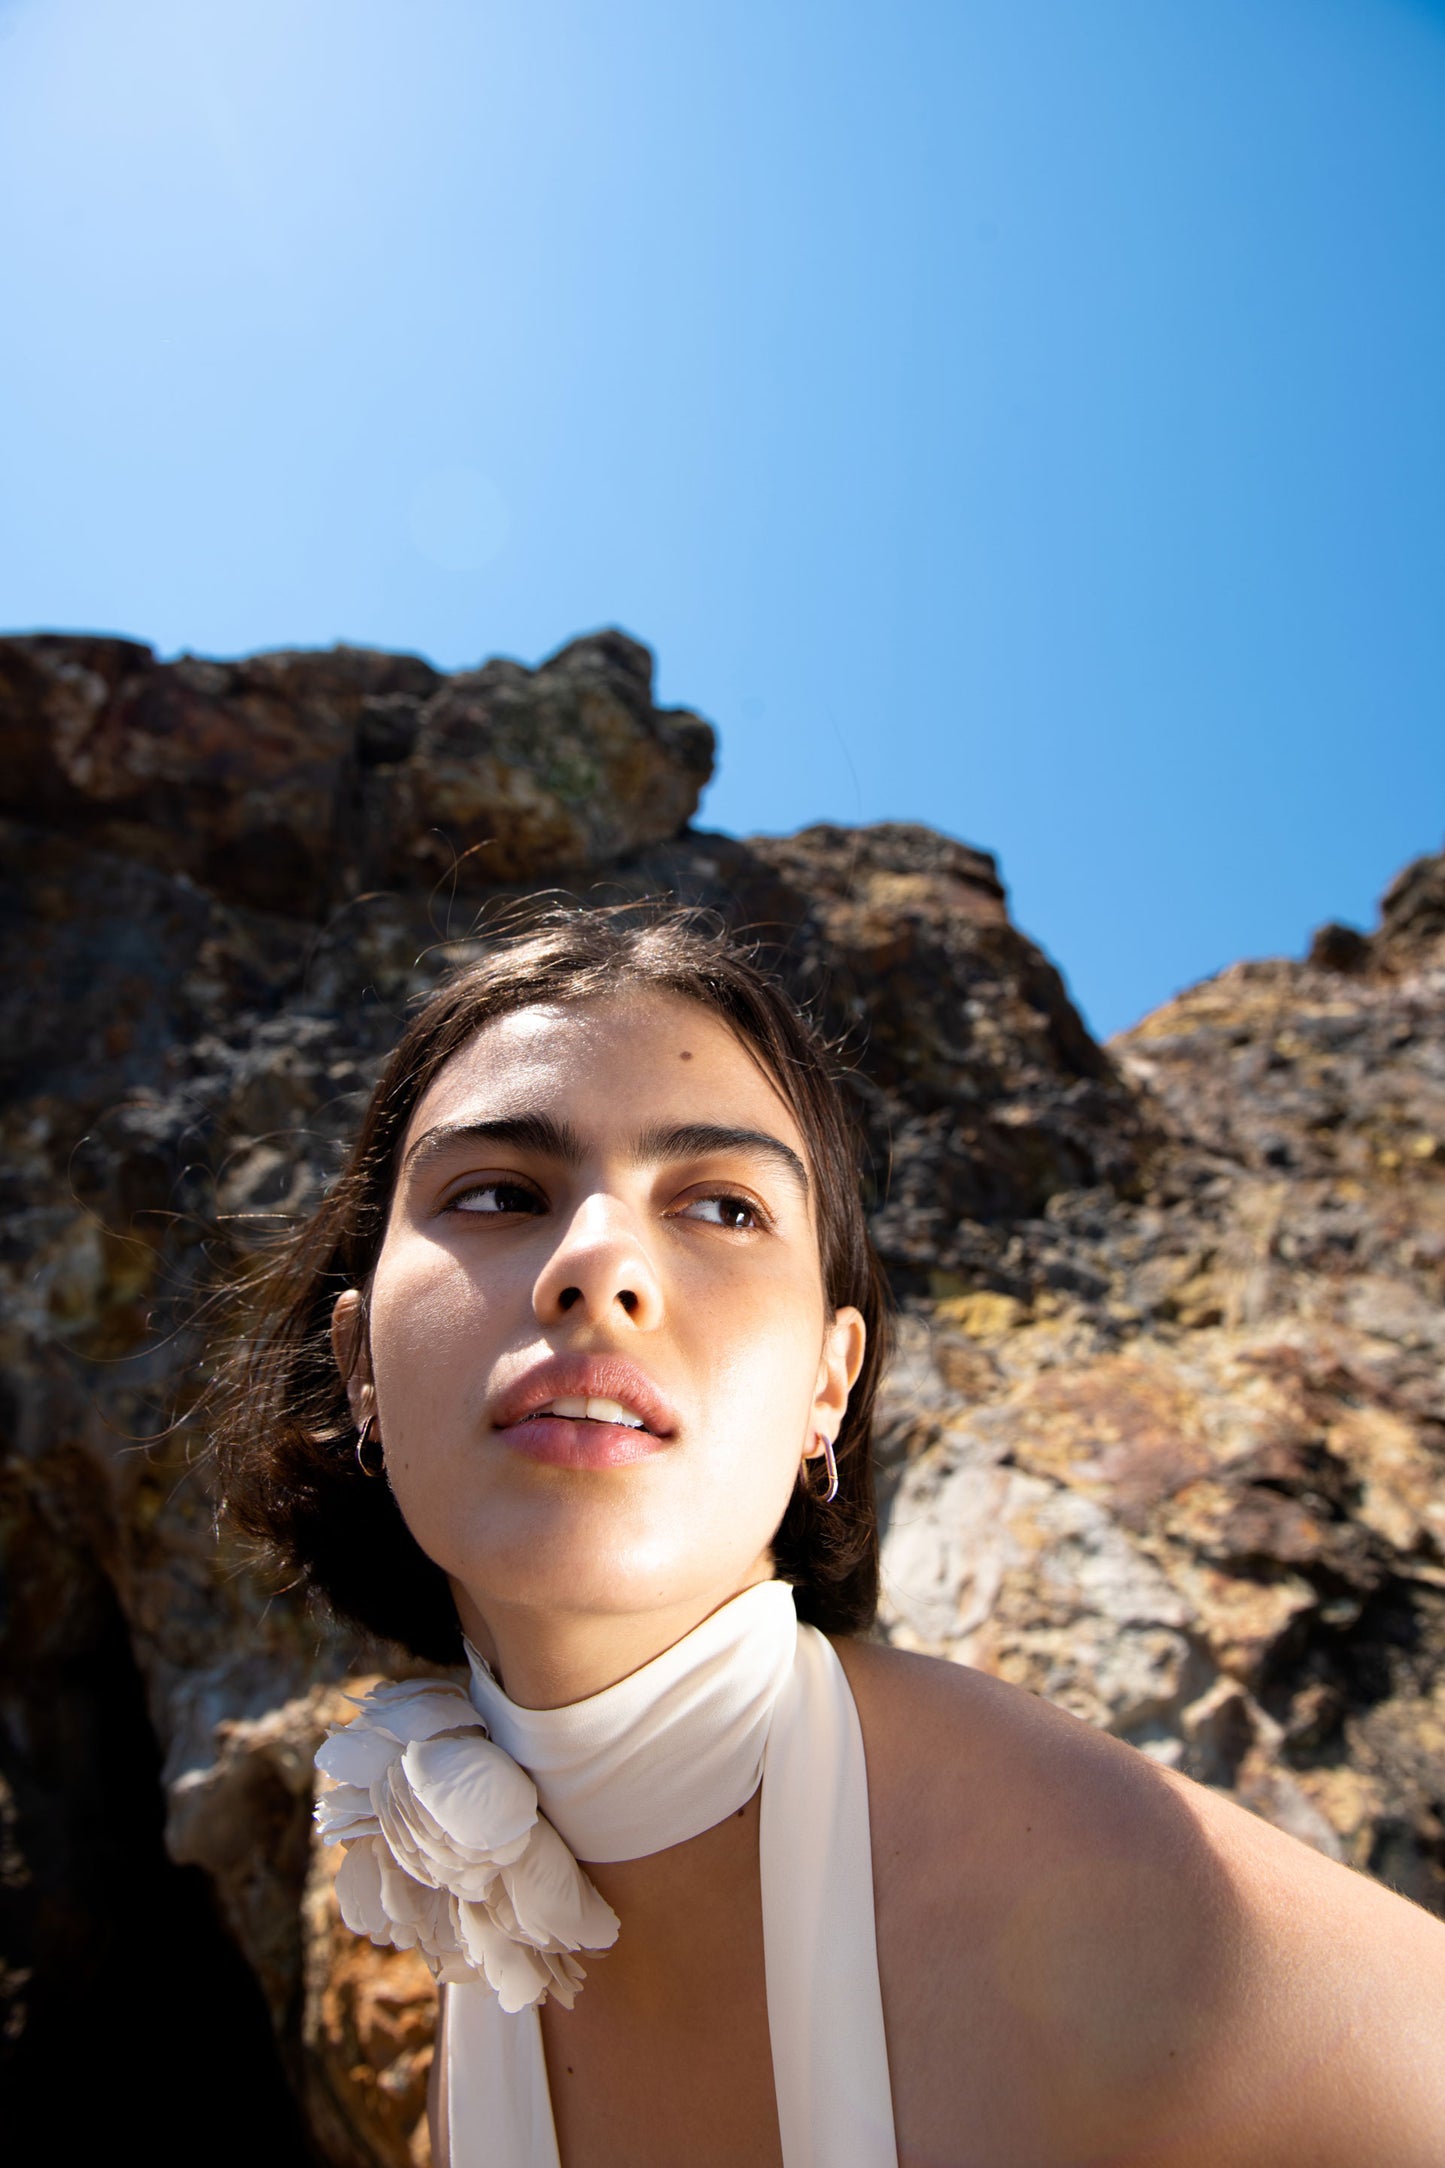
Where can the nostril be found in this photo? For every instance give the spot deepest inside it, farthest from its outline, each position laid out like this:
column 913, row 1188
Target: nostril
column 628, row 1301
column 568, row 1297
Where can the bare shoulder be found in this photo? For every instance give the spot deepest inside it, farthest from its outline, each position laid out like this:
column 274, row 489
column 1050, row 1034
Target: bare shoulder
column 1152, row 1971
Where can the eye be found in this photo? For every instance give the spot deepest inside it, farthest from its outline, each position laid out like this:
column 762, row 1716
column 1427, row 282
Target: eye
column 495, row 1198
column 723, row 1211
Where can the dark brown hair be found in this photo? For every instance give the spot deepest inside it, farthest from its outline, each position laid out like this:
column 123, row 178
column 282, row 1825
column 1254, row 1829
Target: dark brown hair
column 284, row 1438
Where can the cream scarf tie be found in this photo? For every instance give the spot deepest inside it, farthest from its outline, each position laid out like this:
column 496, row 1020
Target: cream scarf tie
column 448, row 1853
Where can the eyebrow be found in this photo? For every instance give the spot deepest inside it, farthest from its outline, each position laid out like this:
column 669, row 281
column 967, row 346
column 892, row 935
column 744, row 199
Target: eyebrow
column 698, row 1140
column 537, row 1133
column 559, row 1141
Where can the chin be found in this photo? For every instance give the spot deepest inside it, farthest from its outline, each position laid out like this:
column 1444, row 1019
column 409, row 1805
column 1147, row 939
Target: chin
column 568, row 1570
column 572, row 1548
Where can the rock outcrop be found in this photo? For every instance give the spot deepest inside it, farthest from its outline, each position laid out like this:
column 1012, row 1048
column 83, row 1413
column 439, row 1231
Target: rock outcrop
column 1180, row 1464
column 1164, row 1438
column 291, row 782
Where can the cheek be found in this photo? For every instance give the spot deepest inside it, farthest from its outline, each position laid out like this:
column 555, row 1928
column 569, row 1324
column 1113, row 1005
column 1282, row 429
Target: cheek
column 432, row 1332
column 430, row 1360
column 762, row 1379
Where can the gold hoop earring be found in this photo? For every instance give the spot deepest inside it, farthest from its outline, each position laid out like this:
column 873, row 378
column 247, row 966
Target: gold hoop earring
column 824, row 1498
column 361, row 1443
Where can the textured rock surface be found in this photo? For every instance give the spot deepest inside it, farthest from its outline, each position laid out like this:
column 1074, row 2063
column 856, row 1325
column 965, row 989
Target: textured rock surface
column 1181, row 1464
column 292, row 781
column 1163, row 1440
column 368, row 2023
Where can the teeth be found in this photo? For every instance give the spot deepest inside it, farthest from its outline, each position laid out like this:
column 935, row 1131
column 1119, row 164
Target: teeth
column 578, row 1410
column 612, row 1411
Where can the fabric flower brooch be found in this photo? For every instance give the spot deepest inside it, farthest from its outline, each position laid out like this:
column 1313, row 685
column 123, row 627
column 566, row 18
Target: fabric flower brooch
column 446, row 1852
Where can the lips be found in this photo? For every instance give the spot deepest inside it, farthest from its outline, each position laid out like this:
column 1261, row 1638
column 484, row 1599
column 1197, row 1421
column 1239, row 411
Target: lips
column 582, row 1394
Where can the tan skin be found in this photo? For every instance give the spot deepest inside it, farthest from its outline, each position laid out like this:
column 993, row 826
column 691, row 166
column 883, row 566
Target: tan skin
column 1083, row 1958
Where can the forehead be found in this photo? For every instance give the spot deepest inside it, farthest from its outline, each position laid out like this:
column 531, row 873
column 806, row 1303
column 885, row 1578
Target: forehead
column 617, row 1065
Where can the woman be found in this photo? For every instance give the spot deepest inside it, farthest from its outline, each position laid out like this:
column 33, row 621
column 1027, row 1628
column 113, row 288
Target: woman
column 571, row 1376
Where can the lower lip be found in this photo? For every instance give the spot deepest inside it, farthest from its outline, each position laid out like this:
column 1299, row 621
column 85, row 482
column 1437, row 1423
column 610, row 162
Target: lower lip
column 562, row 1442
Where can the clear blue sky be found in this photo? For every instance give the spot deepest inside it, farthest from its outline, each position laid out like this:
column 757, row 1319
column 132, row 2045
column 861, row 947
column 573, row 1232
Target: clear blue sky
column 1026, row 416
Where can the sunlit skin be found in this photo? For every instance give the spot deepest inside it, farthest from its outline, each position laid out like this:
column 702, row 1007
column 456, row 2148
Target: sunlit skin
column 597, row 1223
column 1083, row 1958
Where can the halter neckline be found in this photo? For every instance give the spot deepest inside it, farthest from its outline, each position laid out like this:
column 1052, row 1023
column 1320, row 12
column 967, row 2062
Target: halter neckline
column 669, row 1751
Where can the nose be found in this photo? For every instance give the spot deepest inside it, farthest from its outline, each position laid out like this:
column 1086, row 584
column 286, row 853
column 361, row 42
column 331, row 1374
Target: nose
column 599, row 1271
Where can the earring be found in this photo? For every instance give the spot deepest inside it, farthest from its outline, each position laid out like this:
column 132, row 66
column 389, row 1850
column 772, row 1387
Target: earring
column 361, row 1442
column 824, row 1498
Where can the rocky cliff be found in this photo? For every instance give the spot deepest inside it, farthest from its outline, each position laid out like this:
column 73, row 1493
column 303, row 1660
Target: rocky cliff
column 1164, row 1438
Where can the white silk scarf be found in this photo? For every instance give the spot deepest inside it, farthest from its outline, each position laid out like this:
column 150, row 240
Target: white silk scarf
column 750, row 1696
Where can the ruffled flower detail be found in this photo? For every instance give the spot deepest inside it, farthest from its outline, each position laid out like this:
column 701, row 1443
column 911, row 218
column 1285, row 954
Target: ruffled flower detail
column 446, row 1852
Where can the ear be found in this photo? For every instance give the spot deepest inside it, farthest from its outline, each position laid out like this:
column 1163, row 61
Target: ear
column 842, row 1359
column 352, row 1352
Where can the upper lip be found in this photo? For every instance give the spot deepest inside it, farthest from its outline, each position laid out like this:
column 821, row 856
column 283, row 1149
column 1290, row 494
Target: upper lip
column 590, row 1377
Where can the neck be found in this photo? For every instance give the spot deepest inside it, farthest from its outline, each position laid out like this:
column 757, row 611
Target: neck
column 547, row 1657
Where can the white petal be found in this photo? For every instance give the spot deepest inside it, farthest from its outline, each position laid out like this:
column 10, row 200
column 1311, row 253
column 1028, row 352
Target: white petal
column 473, row 1880
column 567, row 1977
column 552, row 1899
column 430, row 1917
column 422, row 1846
column 358, row 1889
column 420, row 1710
column 401, row 1892
column 346, row 1808
column 416, row 1915
column 349, row 1832
column 517, row 1974
column 416, row 1816
column 412, row 1842
column 502, row 1912
column 356, row 1754
column 477, row 1793
column 503, row 1854
column 387, row 1691
column 414, row 1860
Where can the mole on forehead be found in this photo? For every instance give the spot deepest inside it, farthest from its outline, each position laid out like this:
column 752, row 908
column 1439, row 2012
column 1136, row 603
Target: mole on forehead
column 517, row 1062
column 489, row 1079
column 652, row 1012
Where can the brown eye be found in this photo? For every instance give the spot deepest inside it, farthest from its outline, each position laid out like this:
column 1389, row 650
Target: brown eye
column 736, row 1212
column 494, row 1198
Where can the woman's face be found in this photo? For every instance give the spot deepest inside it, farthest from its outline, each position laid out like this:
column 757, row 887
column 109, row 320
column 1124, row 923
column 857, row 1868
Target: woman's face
column 599, row 1345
